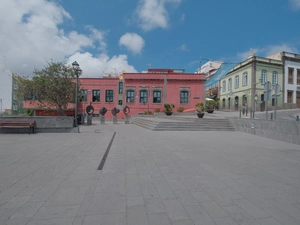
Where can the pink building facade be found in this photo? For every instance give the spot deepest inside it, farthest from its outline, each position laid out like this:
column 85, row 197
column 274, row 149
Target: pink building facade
column 142, row 92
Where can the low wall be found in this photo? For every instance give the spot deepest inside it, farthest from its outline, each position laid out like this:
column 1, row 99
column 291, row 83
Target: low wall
column 45, row 124
column 287, row 131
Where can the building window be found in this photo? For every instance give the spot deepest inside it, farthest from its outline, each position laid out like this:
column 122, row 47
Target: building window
column 298, row 76
column 130, row 96
column 237, row 81
column 290, row 75
column 156, row 96
column 96, row 96
column 109, row 96
column 184, row 97
column 274, row 77
column 120, row 102
column 245, row 79
column 120, row 88
column 290, row 96
column 229, row 84
column 15, row 85
column 143, row 96
column 224, row 86
column 83, row 97
column 263, row 76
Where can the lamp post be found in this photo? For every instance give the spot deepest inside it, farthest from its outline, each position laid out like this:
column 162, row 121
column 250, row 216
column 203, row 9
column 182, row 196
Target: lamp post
column 77, row 70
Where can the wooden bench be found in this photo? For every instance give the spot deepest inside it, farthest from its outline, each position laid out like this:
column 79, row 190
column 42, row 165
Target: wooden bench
column 16, row 123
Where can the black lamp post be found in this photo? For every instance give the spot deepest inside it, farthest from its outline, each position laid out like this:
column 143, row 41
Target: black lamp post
column 77, row 72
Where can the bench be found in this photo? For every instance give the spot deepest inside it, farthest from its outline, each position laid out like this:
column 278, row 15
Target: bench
column 18, row 124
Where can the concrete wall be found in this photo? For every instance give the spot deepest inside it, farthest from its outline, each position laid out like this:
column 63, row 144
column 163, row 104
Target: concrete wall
column 45, row 124
column 288, row 131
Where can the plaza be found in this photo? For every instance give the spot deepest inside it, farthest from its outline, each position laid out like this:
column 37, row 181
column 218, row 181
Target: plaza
column 149, row 177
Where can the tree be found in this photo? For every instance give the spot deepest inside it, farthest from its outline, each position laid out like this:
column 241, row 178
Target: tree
column 52, row 87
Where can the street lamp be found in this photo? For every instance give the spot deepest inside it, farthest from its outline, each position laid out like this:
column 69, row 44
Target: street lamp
column 77, row 72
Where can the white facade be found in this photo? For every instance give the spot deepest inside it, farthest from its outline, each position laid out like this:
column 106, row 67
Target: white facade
column 294, row 87
column 291, row 83
column 5, row 90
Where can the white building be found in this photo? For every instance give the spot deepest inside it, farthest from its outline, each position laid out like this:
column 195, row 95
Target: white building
column 5, row 90
column 291, row 84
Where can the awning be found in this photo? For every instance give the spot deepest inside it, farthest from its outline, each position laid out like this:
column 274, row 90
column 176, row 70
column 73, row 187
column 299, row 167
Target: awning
column 221, row 72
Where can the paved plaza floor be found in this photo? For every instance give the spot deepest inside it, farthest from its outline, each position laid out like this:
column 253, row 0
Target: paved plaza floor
column 149, row 178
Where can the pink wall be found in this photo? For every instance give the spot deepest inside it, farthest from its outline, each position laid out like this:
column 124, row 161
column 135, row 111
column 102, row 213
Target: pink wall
column 169, row 83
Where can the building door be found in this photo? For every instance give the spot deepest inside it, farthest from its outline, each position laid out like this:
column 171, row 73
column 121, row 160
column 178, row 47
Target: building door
column 298, row 99
column 236, row 103
column 223, row 103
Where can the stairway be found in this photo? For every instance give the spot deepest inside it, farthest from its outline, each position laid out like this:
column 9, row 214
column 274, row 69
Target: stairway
column 184, row 124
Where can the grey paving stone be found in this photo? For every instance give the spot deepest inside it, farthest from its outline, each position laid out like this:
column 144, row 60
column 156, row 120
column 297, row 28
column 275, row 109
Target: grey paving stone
column 148, row 188
column 163, row 188
column 224, row 221
column 239, row 215
column 104, row 204
column 159, row 219
column 28, row 209
column 198, row 215
column 251, row 209
column 106, row 219
column 136, row 215
column 175, row 210
column 183, row 222
column 65, row 221
column 213, row 209
column 56, row 212
column 134, row 201
column 186, row 198
column 154, row 206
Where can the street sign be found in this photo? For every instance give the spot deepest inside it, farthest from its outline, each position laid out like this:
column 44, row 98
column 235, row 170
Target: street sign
column 277, row 89
column 268, row 86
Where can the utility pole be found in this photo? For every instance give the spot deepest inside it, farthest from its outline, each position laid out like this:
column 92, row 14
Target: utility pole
column 1, row 105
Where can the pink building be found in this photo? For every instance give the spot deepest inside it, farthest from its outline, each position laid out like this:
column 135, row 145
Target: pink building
column 142, row 92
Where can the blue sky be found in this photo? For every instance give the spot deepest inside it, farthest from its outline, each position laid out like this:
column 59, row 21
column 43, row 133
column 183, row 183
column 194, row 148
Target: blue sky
column 134, row 35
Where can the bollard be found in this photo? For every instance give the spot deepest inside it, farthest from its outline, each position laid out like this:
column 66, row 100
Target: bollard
column 297, row 118
column 246, row 112
column 271, row 116
column 253, row 115
column 240, row 113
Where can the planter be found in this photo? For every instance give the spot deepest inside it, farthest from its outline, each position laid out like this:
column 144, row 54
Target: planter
column 169, row 113
column 209, row 110
column 200, row 115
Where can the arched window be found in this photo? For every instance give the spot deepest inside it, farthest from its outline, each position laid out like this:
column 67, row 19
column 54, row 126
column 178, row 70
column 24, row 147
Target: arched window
column 237, row 81
column 184, row 97
column 130, row 96
column 274, row 77
column 224, row 86
column 245, row 79
column 263, row 76
column 229, row 84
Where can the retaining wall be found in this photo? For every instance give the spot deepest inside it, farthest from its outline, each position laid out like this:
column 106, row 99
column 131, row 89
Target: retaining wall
column 45, row 124
column 288, row 131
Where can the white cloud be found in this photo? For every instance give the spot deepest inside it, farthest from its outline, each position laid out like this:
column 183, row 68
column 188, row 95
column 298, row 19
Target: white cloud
column 153, row 13
column 266, row 51
column 182, row 18
column 183, row 48
column 31, row 36
column 133, row 42
column 295, row 4
column 94, row 67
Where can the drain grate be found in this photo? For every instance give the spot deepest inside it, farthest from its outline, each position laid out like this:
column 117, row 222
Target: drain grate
column 100, row 167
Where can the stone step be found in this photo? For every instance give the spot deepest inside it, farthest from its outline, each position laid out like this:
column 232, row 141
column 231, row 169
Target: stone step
column 197, row 125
